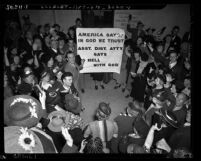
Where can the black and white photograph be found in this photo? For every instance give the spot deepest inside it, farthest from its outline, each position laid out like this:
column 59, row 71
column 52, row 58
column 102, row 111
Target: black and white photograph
column 97, row 79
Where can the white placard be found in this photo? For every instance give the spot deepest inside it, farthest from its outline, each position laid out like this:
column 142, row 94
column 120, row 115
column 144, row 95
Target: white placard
column 102, row 49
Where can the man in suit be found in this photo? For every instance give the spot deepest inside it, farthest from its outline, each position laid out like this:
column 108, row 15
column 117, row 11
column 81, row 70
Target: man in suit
column 175, row 67
column 136, row 32
column 176, row 40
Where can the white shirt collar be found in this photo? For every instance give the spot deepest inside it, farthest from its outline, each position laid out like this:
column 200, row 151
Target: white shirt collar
column 171, row 65
column 54, row 50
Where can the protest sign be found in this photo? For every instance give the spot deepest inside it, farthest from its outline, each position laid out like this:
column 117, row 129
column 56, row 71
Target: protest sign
column 102, row 49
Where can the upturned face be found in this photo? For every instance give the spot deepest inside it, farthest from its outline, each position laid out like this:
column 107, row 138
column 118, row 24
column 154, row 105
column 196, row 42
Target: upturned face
column 180, row 99
column 68, row 81
column 71, row 58
column 50, row 63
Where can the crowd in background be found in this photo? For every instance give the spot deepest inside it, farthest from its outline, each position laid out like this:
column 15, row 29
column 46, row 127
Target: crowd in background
column 41, row 64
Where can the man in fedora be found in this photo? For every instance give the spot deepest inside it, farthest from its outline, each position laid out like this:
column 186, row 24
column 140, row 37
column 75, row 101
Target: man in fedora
column 102, row 127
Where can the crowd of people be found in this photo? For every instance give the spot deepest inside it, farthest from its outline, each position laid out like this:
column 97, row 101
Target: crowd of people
column 43, row 86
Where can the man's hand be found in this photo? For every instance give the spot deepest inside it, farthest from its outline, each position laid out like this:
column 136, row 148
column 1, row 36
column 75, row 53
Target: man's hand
column 133, row 74
column 42, row 98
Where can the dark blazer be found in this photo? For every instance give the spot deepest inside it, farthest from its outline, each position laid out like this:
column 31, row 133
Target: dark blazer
column 177, row 71
column 134, row 33
column 176, row 43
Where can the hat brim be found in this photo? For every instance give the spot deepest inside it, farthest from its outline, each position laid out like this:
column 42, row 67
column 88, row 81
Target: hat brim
column 11, row 145
column 27, row 122
column 172, row 123
column 56, row 128
column 76, row 110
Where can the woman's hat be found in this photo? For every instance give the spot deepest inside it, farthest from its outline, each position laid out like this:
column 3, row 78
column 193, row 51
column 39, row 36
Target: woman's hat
column 169, row 117
column 57, row 120
column 22, row 110
column 21, row 140
column 104, row 108
column 72, row 104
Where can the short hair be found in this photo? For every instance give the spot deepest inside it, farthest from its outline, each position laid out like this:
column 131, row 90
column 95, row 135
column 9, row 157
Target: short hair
column 176, row 27
column 137, row 50
column 78, row 19
column 94, row 145
column 66, row 74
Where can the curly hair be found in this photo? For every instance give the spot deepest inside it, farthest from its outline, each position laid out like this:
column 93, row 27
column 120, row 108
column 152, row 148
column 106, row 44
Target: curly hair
column 94, row 145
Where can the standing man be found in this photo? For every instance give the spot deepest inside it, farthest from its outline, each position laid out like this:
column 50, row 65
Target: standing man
column 176, row 40
column 28, row 25
column 136, row 32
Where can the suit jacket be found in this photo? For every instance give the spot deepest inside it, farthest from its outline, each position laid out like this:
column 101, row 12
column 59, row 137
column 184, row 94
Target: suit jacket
column 177, row 71
column 176, row 43
column 134, row 33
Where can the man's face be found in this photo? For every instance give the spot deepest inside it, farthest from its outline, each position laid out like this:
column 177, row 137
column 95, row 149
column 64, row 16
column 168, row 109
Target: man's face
column 61, row 44
column 29, row 35
column 173, row 57
column 50, row 63
column 68, row 81
column 38, row 42
column 54, row 44
column 175, row 32
column 71, row 58
column 30, row 61
column 29, row 79
column 180, row 100
column 137, row 56
column 160, row 48
column 59, row 58
column 16, row 59
column 14, row 51
column 139, row 41
column 78, row 23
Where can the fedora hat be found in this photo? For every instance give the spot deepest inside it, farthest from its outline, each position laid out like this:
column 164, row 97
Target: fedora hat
column 72, row 104
column 22, row 110
column 21, row 140
column 57, row 120
column 169, row 117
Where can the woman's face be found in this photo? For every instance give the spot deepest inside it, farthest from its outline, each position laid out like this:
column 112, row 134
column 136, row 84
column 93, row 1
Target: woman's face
column 59, row 74
column 50, row 63
column 16, row 60
column 46, row 78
